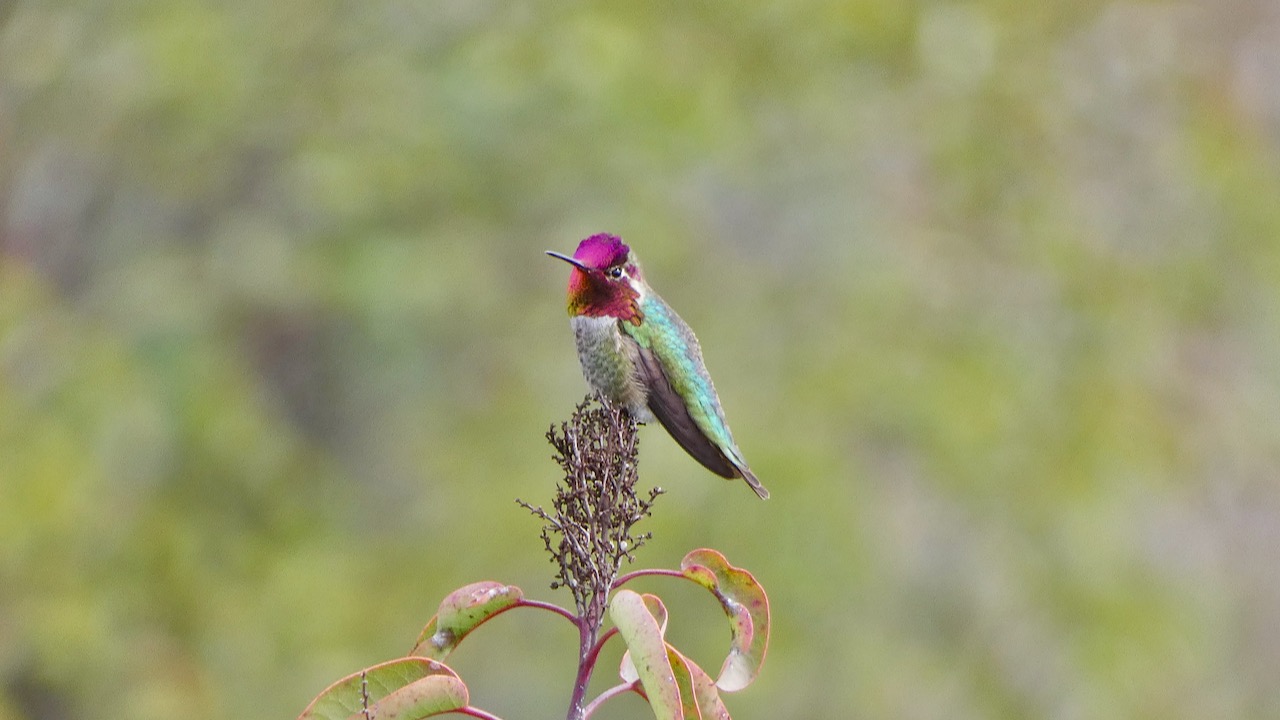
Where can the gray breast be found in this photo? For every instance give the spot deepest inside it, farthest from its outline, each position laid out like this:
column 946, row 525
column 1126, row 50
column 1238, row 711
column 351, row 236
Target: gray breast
column 608, row 363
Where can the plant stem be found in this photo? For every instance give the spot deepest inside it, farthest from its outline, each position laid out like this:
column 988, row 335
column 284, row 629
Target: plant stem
column 595, row 650
column 587, row 632
column 643, row 572
column 552, row 607
column 476, row 712
column 607, row 695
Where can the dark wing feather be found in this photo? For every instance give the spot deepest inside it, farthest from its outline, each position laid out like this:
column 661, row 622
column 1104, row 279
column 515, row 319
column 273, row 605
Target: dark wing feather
column 669, row 408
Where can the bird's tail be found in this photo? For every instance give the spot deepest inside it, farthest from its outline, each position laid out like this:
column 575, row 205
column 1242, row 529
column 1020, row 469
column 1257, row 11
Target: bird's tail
column 754, row 482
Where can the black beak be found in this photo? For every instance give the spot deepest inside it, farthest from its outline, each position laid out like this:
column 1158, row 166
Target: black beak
column 569, row 260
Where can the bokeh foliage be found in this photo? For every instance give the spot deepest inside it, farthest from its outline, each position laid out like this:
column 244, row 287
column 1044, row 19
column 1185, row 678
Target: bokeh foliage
column 990, row 291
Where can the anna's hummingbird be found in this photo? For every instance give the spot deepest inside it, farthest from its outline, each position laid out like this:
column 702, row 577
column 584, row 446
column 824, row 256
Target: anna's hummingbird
column 637, row 352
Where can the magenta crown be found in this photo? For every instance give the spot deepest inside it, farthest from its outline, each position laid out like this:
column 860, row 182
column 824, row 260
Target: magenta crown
column 601, row 251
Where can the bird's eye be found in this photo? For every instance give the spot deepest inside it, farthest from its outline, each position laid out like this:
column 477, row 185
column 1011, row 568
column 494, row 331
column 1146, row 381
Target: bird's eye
column 615, row 272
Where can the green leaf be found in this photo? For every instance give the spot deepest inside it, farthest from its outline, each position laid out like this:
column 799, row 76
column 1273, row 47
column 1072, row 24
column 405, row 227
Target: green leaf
column 460, row 613
column 433, row 695
column 659, row 612
column 643, row 637
column 698, row 692
column 352, row 694
column 747, row 606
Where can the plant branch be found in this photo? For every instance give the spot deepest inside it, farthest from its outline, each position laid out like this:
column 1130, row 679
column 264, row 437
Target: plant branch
column 476, row 712
column 587, row 529
column 628, row 577
column 595, row 649
column 551, row 607
column 608, row 695
column 586, row 640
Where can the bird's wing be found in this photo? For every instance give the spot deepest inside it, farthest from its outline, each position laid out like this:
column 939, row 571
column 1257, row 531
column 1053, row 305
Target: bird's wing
column 669, row 408
column 666, row 341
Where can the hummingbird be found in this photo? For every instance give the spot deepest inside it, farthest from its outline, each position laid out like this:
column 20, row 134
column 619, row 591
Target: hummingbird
column 636, row 351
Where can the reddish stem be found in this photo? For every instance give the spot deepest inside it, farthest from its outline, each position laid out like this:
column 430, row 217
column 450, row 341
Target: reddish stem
column 586, row 664
column 607, row 695
column 476, row 712
column 595, row 650
column 552, row 607
column 640, row 573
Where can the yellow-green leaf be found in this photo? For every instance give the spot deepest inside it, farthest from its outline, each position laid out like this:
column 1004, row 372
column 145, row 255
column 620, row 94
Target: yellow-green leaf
column 648, row 652
column 352, row 694
column 433, row 695
column 460, row 613
column 745, row 603
column 659, row 611
column 698, row 692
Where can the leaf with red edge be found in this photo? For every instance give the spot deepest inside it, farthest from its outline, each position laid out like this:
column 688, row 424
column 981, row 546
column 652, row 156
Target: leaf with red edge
column 659, row 612
column 354, row 693
column 684, row 681
column 745, row 603
column 433, row 695
column 657, row 609
column 643, row 637
column 460, row 613
column 698, row 692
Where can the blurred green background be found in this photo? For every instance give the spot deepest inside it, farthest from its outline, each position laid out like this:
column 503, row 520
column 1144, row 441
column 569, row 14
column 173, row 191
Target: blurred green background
column 990, row 291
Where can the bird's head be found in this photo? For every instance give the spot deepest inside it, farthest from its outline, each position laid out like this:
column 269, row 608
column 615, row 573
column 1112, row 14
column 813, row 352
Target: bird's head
column 605, row 279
